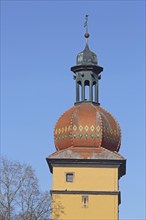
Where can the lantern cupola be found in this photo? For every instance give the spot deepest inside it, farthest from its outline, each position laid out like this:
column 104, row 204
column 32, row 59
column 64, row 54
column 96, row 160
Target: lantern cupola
column 87, row 74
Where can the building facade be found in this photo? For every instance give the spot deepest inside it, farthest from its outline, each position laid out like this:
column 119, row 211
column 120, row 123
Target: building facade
column 86, row 166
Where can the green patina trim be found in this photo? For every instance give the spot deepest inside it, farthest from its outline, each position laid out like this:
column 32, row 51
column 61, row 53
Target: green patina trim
column 86, row 135
column 97, row 135
column 74, row 135
column 92, row 135
column 80, row 135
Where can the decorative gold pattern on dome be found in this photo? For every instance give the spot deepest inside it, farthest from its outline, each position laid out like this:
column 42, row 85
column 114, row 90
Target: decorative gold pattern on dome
column 80, row 127
column 86, row 128
column 92, row 128
column 74, row 127
column 98, row 128
column 87, row 125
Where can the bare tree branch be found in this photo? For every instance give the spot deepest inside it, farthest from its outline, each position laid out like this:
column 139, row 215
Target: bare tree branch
column 20, row 196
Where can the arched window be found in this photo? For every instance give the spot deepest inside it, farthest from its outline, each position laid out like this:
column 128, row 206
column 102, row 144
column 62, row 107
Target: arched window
column 78, row 91
column 87, row 84
column 94, row 90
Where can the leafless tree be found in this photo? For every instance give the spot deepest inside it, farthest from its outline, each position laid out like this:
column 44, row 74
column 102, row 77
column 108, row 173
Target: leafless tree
column 20, row 196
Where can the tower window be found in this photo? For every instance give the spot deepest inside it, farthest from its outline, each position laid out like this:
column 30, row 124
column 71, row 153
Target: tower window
column 85, row 201
column 69, row 177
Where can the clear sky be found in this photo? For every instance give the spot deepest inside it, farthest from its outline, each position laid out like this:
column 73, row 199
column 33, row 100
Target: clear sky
column 39, row 44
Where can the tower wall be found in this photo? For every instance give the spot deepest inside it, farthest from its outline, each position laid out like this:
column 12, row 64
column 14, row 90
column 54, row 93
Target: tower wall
column 86, row 178
column 100, row 207
column 98, row 185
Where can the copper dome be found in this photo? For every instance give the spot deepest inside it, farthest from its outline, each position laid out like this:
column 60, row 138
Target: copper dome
column 86, row 57
column 87, row 125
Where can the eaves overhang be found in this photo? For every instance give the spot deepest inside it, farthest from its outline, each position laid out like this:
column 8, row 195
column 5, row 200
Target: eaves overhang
column 94, row 68
column 102, row 163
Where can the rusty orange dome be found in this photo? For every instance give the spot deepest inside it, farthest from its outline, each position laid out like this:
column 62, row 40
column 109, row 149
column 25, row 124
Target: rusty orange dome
column 87, row 125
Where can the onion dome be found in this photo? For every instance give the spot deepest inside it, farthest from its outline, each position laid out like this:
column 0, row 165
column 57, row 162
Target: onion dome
column 86, row 57
column 87, row 125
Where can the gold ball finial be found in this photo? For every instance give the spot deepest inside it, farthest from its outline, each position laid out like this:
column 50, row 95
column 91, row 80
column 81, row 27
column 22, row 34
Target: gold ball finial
column 87, row 35
column 86, row 26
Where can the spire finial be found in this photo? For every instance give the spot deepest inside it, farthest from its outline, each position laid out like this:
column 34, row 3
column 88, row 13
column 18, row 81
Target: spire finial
column 86, row 26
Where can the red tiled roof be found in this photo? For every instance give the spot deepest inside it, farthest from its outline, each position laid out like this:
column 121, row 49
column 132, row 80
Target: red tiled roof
column 86, row 153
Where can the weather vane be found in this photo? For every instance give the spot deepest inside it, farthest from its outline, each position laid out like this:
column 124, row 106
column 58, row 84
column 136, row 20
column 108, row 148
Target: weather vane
column 86, row 26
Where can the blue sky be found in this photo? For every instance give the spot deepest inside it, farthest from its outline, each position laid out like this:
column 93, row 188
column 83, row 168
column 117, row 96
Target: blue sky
column 39, row 44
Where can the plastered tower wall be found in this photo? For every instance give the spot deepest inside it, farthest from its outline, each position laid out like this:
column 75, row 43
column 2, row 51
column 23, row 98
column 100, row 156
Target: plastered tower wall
column 101, row 192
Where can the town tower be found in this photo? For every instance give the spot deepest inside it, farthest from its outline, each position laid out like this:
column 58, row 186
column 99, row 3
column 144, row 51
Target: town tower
column 86, row 166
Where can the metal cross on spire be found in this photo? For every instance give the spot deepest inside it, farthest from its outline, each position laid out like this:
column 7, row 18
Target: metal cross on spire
column 86, row 26
column 86, row 23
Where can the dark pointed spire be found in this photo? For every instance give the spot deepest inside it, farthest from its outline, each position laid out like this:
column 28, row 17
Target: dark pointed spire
column 86, row 57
